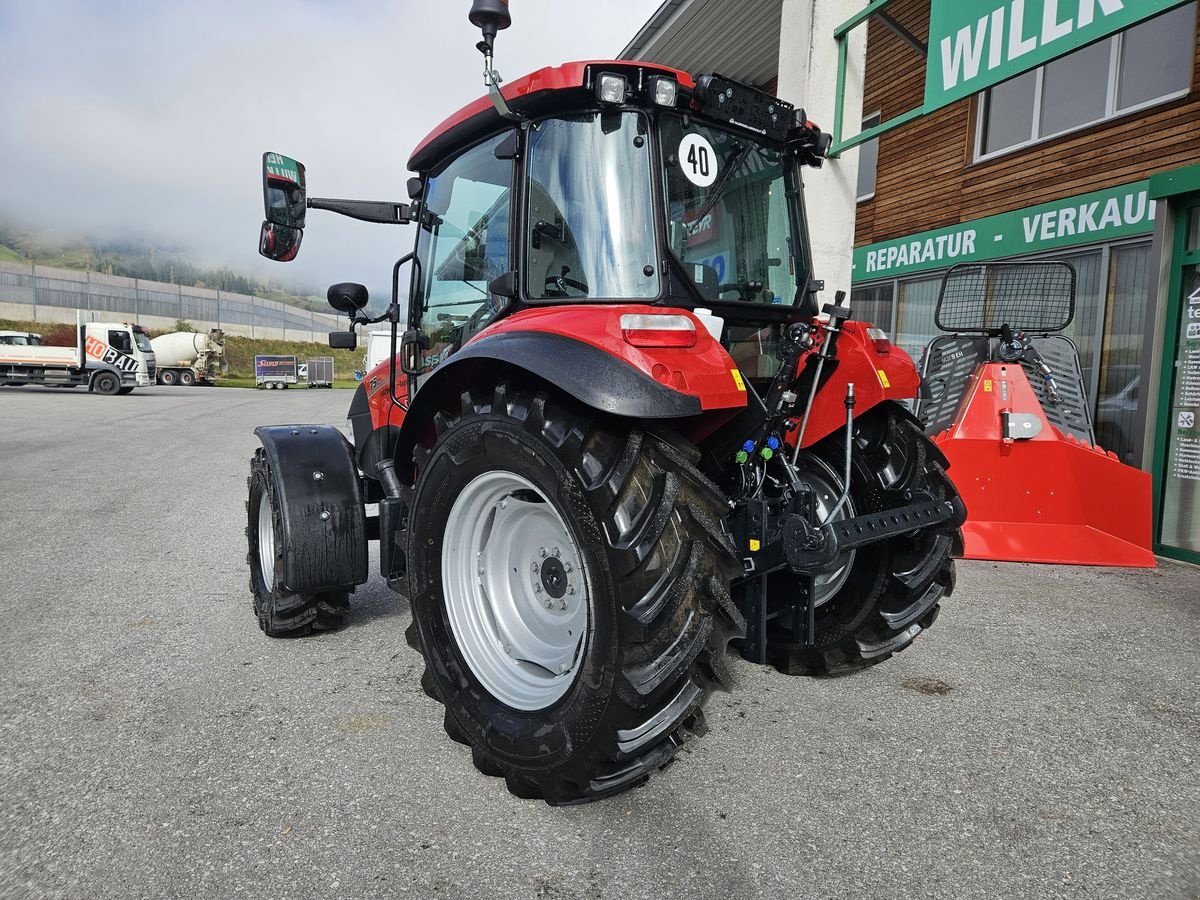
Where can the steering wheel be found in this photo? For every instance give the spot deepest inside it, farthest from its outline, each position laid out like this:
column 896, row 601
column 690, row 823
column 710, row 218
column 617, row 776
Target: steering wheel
column 557, row 285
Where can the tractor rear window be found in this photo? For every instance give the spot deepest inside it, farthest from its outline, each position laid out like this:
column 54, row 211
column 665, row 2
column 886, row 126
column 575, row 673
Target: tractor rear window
column 591, row 213
column 727, row 214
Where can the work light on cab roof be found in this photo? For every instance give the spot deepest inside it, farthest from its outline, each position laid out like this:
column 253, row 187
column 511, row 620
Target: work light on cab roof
column 614, row 434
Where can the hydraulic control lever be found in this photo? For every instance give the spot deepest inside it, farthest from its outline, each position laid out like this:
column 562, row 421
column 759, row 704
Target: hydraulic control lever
column 1014, row 346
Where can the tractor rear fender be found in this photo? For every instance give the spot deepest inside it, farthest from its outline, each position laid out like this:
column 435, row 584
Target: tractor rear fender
column 320, row 503
column 582, row 353
column 877, row 375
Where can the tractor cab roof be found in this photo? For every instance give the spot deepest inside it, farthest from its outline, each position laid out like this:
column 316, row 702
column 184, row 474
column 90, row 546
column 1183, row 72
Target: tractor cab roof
column 545, row 91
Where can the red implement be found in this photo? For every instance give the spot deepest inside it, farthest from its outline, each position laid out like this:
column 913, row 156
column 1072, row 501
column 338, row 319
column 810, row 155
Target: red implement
column 1035, row 494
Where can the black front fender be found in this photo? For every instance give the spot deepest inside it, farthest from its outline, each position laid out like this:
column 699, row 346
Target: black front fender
column 321, row 506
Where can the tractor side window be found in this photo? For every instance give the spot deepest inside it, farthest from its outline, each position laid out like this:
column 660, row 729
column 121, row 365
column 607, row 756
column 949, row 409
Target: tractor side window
column 119, row 341
column 591, row 213
column 463, row 244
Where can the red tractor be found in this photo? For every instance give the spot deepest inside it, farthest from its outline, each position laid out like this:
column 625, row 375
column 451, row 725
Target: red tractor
column 615, row 435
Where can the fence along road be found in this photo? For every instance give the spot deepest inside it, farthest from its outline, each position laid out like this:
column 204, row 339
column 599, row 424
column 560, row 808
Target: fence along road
column 43, row 294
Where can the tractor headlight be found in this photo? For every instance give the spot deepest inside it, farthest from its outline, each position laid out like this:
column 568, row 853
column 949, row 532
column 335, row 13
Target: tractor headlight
column 664, row 90
column 611, row 88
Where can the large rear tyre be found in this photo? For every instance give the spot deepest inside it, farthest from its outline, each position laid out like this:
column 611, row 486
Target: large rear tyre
column 168, row 377
column 569, row 585
column 187, row 378
column 873, row 602
column 280, row 612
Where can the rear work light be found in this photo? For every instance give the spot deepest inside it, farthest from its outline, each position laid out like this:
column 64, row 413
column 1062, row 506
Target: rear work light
column 611, row 88
column 880, row 339
column 658, row 330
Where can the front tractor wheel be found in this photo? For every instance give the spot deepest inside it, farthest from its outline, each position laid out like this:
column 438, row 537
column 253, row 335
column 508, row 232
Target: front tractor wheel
column 569, row 585
column 280, row 612
column 872, row 602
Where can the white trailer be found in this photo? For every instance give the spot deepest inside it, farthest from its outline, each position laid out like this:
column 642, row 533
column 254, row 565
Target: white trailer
column 319, row 371
column 108, row 357
column 187, row 358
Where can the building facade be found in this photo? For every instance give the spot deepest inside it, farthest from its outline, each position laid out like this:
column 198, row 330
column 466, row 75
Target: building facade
column 1092, row 157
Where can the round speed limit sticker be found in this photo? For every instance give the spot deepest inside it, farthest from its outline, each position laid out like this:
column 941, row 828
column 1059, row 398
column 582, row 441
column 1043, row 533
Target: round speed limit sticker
column 698, row 160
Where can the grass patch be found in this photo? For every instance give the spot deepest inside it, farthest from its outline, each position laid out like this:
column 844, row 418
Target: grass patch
column 7, row 254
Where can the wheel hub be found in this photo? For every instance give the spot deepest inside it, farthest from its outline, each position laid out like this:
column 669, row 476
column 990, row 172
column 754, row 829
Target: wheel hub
column 516, row 597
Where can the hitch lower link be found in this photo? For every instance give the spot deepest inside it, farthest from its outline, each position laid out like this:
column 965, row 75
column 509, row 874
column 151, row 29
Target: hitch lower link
column 811, row 549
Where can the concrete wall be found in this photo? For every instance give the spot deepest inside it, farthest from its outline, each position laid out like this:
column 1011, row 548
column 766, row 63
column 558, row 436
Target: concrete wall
column 808, row 77
column 42, row 294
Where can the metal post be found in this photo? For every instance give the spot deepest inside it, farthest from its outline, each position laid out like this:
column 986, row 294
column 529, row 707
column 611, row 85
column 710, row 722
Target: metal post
column 34, row 277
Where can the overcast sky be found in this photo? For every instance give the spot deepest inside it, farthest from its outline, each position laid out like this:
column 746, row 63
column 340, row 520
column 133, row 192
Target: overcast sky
column 139, row 118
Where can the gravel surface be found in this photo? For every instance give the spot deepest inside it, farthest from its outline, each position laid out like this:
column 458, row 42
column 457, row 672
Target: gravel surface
column 1041, row 741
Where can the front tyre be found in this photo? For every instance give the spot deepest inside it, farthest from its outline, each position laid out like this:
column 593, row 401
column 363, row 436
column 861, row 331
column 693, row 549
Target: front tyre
column 872, row 602
column 569, row 584
column 280, row 612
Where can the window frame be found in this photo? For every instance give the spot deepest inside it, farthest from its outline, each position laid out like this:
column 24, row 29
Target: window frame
column 1111, row 113
column 867, row 122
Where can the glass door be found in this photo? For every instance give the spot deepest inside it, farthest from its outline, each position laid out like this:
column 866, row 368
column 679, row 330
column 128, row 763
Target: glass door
column 1179, row 405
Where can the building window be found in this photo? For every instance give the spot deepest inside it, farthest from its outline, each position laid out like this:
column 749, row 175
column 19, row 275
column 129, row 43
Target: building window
column 868, row 160
column 1147, row 64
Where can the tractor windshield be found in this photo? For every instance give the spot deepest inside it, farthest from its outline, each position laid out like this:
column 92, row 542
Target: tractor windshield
column 727, row 214
column 591, row 213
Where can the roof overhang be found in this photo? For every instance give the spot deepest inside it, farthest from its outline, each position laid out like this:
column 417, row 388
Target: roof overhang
column 737, row 39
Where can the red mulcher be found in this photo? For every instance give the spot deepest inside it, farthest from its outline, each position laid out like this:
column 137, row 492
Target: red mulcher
column 615, row 435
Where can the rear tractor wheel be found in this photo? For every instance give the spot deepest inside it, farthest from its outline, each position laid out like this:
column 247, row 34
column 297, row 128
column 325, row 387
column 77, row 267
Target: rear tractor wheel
column 280, row 612
column 872, row 602
column 569, row 585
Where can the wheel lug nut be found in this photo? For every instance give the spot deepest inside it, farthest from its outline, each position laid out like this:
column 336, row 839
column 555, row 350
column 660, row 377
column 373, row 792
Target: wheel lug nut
column 542, row 552
column 534, row 568
column 549, row 603
column 537, row 588
column 563, row 605
column 567, row 567
column 554, row 553
column 570, row 588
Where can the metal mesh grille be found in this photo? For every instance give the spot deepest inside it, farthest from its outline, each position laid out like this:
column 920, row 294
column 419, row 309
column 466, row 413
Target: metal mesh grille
column 1037, row 297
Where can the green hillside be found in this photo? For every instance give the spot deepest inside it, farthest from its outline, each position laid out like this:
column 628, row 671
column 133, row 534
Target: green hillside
column 7, row 254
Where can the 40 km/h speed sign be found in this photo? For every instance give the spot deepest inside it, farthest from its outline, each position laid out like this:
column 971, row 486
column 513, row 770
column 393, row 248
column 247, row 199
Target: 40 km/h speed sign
column 698, row 160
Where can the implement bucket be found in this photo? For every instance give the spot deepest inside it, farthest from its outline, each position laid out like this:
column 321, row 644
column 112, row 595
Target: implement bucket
column 1022, row 453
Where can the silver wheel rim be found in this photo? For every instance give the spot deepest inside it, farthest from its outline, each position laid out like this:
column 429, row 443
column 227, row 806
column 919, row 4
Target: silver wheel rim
column 827, row 487
column 515, row 589
column 266, row 541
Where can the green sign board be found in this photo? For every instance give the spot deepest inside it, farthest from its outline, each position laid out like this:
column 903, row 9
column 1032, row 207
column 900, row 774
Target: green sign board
column 974, row 44
column 1088, row 218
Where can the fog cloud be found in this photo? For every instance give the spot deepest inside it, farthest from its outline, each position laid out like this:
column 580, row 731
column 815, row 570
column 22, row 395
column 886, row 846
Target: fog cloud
column 141, row 119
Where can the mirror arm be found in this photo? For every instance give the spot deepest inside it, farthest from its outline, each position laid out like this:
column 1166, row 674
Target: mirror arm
column 380, row 211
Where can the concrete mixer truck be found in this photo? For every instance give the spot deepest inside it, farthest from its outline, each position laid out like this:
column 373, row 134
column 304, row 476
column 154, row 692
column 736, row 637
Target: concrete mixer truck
column 189, row 358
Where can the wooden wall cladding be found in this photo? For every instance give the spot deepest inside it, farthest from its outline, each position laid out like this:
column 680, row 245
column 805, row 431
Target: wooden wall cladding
column 927, row 177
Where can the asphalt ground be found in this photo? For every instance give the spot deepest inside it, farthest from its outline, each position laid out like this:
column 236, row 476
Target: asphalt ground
column 1041, row 741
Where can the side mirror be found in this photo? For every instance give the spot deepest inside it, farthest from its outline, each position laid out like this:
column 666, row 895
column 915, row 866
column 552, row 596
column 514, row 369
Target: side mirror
column 279, row 242
column 284, row 192
column 343, row 340
column 411, row 345
column 347, row 297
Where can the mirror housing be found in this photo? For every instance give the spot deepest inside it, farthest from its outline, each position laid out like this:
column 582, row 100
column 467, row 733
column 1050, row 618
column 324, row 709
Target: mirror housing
column 413, row 342
column 284, row 192
column 343, row 340
column 279, row 242
column 347, row 297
